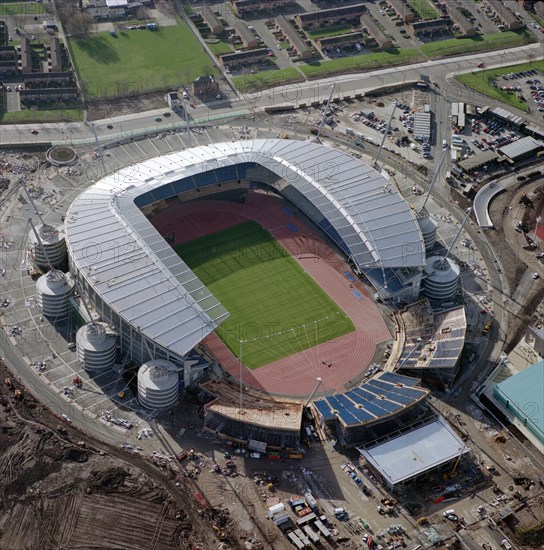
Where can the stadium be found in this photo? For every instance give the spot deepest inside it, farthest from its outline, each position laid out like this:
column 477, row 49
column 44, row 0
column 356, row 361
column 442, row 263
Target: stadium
column 251, row 252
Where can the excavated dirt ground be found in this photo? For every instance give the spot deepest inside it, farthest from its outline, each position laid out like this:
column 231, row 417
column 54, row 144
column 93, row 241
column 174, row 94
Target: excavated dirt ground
column 59, row 489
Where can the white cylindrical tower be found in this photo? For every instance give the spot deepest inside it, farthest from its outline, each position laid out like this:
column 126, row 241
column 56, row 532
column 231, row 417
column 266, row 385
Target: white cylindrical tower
column 428, row 226
column 158, row 384
column 53, row 292
column 442, row 280
column 54, row 243
column 96, row 346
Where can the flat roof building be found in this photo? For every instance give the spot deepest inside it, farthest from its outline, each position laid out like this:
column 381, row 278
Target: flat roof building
column 422, row 126
column 523, row 396
column 410, row 454
column 327, row 18
column 478, row 160
column 301, row 46
column 506, row 117
column 372, row 28
column 212, row 20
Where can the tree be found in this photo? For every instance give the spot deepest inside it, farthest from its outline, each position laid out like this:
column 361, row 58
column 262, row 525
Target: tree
column 79, row 24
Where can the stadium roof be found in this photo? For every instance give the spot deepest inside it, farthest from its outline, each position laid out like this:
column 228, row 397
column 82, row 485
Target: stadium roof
column 413, row 453
column 375, row 399
column 122, row 256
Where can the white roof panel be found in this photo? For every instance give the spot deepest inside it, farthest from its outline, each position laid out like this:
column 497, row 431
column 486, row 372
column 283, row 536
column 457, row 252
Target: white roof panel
column 415, row 452
column 136, row 272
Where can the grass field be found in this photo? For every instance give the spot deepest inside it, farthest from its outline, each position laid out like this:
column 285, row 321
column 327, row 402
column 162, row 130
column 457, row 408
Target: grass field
column 23, row 8
column 480, row 81
column 46, row 115
column 139, row 60
column 249, row 83
column 424, row 9
column 276, row 309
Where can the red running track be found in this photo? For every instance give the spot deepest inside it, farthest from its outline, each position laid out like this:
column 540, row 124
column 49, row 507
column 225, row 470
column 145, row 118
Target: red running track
column 349, row 355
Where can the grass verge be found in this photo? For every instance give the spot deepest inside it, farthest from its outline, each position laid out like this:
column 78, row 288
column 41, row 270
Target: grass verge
column 249, row 83
column 46, row 115
column 276, row 308
column 480, row 81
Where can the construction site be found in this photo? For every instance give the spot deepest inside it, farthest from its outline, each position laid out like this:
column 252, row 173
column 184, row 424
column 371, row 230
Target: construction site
column 60, row 489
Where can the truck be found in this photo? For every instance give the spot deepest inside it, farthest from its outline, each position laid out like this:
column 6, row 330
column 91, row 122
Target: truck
column 311, row 501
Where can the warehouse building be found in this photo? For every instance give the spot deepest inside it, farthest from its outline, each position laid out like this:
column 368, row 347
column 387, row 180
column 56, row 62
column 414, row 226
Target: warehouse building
column 522, row 148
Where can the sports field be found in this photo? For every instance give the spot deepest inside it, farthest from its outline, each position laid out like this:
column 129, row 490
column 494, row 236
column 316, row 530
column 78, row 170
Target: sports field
column 276, row 309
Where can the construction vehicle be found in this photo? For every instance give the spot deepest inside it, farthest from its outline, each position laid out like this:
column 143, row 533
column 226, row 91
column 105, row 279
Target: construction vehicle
column 221, row 535
column 121, row 394
column 77, row 382
column 8, row 383
column 487, row 327
column 18, row 394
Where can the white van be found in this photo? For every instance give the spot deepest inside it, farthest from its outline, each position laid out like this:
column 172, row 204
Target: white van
column 444, row 144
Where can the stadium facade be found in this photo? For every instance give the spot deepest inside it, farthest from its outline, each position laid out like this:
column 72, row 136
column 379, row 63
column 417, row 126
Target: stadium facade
column 135, row 280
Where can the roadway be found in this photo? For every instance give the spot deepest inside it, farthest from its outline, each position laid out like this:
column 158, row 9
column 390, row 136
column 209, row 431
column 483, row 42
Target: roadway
column 440, row 73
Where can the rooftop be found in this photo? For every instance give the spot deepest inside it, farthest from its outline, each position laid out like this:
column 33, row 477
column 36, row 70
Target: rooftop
column 521, row 147
column 256, row 409
column 415, row 452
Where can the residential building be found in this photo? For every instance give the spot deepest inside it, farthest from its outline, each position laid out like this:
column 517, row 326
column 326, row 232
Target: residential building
column 49, row 95
column 539, row 9
column 339, row 41
column 248, row 56
column 8, row 60
column 504, row 15
column 402, row 10
column 205, row 85
column 25, row 55
column 248, row 38
column 431, row 26
column 55, row 53
column 372, row 28
column 212, row 20
column 330, row 17
column 465, row 27
column 248, row 8
column 302, row 47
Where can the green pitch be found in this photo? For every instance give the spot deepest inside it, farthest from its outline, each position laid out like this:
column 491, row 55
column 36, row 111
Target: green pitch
column 276, row 309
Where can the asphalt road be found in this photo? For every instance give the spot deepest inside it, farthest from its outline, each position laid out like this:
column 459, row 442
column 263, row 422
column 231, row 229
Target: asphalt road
column 439, row 72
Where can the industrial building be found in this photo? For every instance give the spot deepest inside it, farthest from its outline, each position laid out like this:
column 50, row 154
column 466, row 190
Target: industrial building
column 433, row 343
column 504, row 116
column 303, row 49
column 376, row 407
column 521, row 149
column 414, row 451
column 522, row 395
column 369, row 222
column 251, row 417
column 371, row 27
